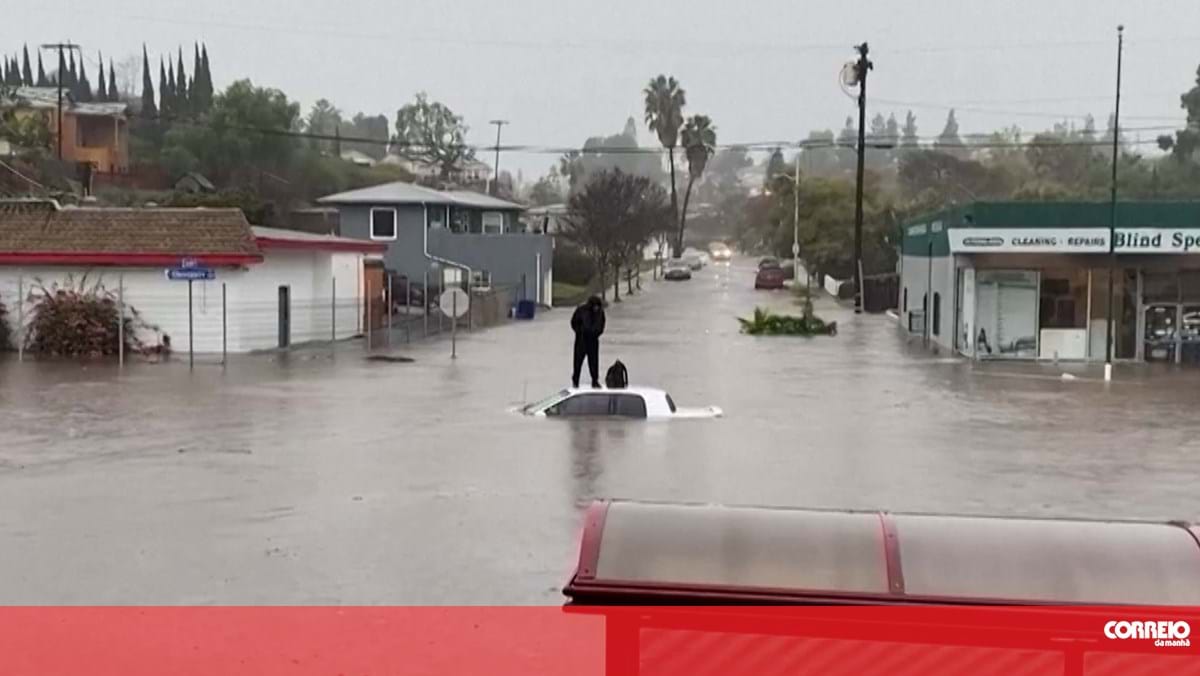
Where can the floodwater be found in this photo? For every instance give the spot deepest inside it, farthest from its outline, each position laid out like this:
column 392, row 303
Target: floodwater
column 319, row 477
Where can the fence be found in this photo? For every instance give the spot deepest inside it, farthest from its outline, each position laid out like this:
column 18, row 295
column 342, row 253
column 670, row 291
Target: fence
column 204, row 321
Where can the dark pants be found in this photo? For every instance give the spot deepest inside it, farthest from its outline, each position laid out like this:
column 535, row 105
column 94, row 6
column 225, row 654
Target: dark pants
column 590, row 348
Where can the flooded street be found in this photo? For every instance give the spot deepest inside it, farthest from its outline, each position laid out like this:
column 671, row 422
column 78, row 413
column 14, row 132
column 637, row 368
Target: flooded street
column 313, row 478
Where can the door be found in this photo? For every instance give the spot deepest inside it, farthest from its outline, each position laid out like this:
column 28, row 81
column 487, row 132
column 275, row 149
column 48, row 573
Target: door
column 1161, row 335
column 375, row 290
column 285, row 316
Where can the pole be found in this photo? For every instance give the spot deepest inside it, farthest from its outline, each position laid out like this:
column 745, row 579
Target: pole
column 425, row 302
column 191, row 331
column 796, row 224
column 20, row 318
column 1112, row 214
column 369, row 318
column 121, row 319
column 391, row 300
column 454, row 326
column 863, row 66
column 496, row 177
column 224, row 328
column 333, row 313
column 62, row 70
column 408, row 309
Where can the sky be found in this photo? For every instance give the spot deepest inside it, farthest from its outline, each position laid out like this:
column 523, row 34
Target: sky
column 764, row 71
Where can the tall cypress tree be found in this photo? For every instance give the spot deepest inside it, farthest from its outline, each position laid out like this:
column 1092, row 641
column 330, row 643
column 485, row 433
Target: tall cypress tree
column 101, row 84
column 84, row 88
column 148, row 107
column 172, row 89
column 71, row 80
column 6, row 76
column 197, row 77
column 181, row 87
column 207, row 83
column 41, row 78
column 113, row 95
column 26, row 71
column 164, row 94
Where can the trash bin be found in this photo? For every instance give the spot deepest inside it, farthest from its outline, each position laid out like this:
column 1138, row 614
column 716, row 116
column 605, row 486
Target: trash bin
column 526, row 309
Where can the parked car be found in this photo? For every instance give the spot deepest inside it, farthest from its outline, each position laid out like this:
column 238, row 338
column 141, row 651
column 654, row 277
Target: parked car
column 677, row 269
column 628, row 402
column 693, row 260
column 770, row 277
column 769, row 262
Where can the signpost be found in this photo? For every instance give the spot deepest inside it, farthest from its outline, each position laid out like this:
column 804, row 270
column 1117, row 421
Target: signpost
column 454, row 303
column 189, row 271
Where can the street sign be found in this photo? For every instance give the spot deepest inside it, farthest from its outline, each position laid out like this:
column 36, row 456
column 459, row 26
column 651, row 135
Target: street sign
column 192, row 274
column 795, row 250
column 189, row 263
column 454, row 302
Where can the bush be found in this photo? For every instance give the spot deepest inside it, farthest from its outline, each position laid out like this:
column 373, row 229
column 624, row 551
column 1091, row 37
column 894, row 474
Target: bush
column 78, row 320
column 572, row 266
column 764, row 323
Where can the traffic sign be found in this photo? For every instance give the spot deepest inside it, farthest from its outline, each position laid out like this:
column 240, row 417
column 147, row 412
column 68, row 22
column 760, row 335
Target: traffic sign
column 192, row 274
column 454, row 302
column 189, row 263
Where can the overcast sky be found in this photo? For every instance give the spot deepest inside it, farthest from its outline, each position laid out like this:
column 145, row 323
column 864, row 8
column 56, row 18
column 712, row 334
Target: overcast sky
column 763, row 70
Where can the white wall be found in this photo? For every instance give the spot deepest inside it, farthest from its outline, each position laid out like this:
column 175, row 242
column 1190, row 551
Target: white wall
column 252, row 299
column 917, row 279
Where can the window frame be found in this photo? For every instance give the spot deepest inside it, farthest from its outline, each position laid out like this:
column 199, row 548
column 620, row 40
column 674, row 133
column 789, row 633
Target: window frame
column 483, row 223
column 395, row 224
column 614, row 405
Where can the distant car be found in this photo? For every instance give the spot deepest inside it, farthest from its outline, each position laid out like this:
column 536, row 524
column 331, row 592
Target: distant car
column 693, row 260
column 677, row 269
column 629, row 402
column 720, row 252
column 768, row 262
column 770, row 277
column 705, row 259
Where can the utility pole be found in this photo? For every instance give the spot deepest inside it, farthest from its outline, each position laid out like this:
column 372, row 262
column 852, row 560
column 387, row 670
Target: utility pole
column 796, row 224
column 62, row 69
column 496, row 178
column 860, row 68
column 1112, row 213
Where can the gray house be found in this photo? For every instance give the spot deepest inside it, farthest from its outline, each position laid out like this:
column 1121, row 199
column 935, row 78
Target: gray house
column 434, row 231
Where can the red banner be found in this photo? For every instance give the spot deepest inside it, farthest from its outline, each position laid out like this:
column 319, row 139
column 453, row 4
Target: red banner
column 652, row 641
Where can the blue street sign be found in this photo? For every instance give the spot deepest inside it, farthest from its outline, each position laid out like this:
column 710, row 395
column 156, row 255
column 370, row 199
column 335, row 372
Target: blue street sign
column 191, row 274
column 189, row 263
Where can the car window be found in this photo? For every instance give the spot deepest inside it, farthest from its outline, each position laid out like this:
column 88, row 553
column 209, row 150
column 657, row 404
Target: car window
column 629, row 405
column 581, row 405
column 541, row 404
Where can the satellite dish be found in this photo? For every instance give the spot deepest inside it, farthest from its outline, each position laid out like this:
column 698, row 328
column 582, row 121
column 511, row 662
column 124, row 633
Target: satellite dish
column 850, row 74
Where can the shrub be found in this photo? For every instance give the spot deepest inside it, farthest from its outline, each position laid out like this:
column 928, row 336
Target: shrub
column 572, row 266
column 764, row 323
column 78, row 320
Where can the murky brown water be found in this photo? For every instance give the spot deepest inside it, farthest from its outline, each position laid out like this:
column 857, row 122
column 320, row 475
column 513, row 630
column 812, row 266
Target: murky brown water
column 308, row 478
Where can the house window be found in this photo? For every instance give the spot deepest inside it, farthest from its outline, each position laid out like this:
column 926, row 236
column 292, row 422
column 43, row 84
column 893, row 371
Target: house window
column 493, row 223
column 383, row 223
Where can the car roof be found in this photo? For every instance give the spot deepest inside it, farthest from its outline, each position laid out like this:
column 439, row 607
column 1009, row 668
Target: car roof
column 632, row 389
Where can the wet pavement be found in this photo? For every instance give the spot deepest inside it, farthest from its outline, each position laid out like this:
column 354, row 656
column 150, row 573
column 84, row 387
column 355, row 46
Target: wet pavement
column 320, row 477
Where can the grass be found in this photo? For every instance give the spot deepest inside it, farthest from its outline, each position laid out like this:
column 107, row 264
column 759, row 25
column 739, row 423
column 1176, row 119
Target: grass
column 567, row 294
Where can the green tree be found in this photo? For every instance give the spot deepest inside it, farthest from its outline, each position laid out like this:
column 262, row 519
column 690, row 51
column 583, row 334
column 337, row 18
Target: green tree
column 776, row 167
column 101, row 84
column 547, row 190
column 699, row 140
column 373, row 129
column 112, row 83
column 26, row 71
column 908, row 137
column 182, row 103
column 171, row 93
column 42, row 81
column 148, row 108
column 429, row 132
column 949, row 141
column 664, row 100
column 83, row 88
column 164, row 93
column 324, row 119
column 1186, row 143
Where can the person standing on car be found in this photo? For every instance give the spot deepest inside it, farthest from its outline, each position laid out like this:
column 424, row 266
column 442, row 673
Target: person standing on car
column 588, row 324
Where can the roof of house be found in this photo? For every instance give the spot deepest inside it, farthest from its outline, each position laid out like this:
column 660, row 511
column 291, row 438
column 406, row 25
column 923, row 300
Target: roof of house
column 42, row 232
column 279, row 238
column 402, row 192
column 200, row 179
column 47, row 97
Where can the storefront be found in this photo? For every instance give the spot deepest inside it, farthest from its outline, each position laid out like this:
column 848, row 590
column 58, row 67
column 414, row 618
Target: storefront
column 1014, row 280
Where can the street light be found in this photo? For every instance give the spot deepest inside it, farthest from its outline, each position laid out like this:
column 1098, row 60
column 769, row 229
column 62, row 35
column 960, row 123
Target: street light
column 1112, row 214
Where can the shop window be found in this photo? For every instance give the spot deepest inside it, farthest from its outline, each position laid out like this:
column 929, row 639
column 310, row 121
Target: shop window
column 937, row 314
column 1062, row 302
column 383, row 223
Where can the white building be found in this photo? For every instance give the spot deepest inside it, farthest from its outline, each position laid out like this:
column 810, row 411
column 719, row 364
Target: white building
column 272, row 288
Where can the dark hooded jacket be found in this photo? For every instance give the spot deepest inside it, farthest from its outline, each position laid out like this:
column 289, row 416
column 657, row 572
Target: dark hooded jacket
column 588, row 320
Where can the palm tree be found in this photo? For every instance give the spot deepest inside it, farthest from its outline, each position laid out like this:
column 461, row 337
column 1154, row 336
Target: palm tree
column 699, row 139
column 665, row 100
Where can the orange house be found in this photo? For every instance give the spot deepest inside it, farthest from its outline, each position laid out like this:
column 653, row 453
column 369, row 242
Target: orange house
column 93, row 132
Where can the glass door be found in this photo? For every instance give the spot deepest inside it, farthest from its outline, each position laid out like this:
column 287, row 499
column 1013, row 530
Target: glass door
column 1161, row 336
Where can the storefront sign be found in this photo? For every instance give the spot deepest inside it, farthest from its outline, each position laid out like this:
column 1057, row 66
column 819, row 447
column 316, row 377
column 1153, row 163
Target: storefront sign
column 1074, row 240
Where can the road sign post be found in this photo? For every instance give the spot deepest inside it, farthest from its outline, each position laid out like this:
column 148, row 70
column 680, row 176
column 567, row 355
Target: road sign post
column 191, row 331
column 454, row 303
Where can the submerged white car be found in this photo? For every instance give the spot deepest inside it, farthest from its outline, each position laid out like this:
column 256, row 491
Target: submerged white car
column 628, row 402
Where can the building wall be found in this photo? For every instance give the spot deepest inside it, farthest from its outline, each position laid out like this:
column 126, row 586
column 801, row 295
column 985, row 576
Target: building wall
column 252, row 299
column 921, row 278
column 509, row 258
